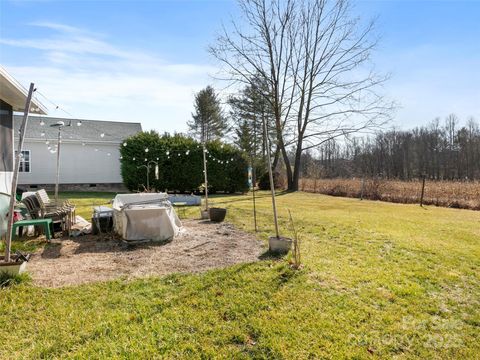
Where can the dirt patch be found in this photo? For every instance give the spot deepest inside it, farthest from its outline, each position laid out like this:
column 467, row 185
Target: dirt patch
column 201, row 246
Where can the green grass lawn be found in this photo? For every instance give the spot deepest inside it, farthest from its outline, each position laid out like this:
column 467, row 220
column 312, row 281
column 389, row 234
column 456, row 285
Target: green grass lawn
column 380, row 280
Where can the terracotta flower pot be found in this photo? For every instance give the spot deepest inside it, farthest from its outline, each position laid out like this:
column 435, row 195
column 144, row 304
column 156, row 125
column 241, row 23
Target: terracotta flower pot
column 217, row 214
column 280, row 245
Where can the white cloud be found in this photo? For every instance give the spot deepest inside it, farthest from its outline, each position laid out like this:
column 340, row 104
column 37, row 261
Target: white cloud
column 93, row 79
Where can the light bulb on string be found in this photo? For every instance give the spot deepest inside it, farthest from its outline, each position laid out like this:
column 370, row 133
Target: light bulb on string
column 133, row 158
column 124, row 144
column 146, row 150
column 79, row 123
column 102, row 135
column 145, row 159
column 187, row 152
column 42, row 134
column 42, row 122
column 121, row 157
column 108, row 154
column 158, row 159
column 47, row 142
column 168, row 153
column 83, row 144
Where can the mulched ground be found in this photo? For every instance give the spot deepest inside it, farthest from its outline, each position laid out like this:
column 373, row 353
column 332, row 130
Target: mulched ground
column 201, row 246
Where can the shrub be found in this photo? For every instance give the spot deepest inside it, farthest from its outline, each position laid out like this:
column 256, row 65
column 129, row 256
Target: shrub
column 264, row 181
column 180, row 163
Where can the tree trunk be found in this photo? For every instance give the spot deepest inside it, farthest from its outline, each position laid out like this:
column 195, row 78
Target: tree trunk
column 296, row 170
column 276, row 158
column 288, row 168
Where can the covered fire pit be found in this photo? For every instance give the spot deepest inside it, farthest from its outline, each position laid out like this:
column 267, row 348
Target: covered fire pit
column 144, row 217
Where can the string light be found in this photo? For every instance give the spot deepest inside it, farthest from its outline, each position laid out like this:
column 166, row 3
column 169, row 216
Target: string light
column 69, row 114
column 179, row 153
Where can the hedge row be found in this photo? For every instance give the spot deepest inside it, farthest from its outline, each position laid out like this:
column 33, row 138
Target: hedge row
column 180, row 164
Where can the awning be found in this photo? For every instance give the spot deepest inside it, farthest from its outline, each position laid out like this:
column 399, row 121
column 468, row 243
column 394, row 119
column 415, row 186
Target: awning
column 16, row 95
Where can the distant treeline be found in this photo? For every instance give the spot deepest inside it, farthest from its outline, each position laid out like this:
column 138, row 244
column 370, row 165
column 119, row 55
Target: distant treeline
column 438, row 151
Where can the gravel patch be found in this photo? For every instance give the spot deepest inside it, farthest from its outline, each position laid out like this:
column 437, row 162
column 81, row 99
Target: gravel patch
column 201, row 246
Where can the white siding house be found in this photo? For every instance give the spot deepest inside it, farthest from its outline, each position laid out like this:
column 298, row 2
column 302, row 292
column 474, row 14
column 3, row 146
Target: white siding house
column 89, row 153
column 12, row 98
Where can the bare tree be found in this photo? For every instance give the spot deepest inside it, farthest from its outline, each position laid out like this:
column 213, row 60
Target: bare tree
column 314, row 56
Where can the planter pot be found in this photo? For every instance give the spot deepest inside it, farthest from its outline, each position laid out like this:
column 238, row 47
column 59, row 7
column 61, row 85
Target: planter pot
column 13, row 267
column 204, row 214
column 217, row 214
column 281, row 245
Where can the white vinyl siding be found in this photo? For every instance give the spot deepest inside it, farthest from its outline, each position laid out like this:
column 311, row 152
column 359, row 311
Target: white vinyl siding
column 78, row 164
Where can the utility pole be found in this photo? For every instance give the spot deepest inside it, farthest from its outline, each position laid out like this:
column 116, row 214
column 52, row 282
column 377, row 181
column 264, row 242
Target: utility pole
column 18, row 156
column 60, row 124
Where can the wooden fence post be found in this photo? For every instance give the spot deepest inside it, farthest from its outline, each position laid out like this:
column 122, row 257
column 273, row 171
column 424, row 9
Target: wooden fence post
column 363, row 187
column 423, row 190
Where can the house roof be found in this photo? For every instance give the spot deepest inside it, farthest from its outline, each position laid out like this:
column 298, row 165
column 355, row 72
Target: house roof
column 90, row 130
column 13, row 93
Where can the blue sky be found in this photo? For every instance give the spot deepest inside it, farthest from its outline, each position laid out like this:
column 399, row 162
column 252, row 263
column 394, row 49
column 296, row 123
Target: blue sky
column 144, row 60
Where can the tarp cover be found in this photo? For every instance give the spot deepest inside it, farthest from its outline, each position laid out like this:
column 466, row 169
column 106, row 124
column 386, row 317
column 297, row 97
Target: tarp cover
column 148, row 216
column 4, row 203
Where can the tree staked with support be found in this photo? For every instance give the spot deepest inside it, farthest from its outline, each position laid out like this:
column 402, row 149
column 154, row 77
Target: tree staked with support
column 314, row 56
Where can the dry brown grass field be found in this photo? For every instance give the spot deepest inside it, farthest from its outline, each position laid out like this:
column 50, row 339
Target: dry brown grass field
column 455, row 194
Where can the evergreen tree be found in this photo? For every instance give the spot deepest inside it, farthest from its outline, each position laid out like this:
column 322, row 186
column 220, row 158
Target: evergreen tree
column 248, row 110
column 208, row 121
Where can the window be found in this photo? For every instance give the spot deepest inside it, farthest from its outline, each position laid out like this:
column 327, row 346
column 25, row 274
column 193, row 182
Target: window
column 25, row 161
